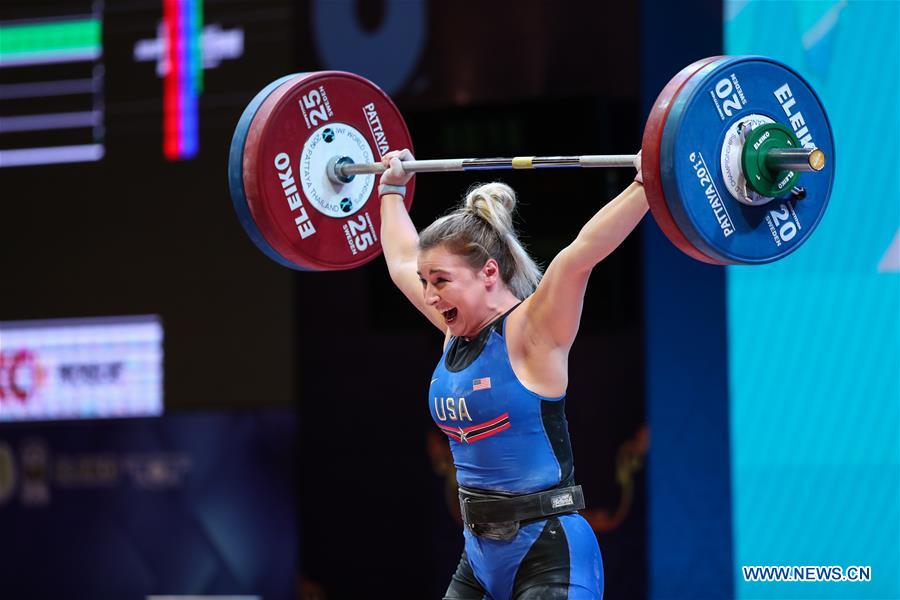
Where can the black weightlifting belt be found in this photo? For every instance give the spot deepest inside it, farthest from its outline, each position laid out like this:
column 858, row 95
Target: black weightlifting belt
column 497, row 517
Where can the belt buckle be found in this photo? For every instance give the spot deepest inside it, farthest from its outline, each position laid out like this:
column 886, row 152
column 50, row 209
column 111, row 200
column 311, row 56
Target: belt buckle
column 501, row 532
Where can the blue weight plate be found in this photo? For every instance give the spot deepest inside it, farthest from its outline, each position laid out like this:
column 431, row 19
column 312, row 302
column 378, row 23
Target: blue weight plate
column 711, row 103
column 236, row 173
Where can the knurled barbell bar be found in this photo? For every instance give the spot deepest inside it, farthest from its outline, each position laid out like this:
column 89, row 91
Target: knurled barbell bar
column 723, row 152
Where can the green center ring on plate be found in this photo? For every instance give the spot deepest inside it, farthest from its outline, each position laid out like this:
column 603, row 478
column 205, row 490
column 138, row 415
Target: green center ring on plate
column 760, row 177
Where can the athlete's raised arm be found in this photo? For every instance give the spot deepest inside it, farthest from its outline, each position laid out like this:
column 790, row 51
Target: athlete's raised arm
column 554, row 310
column 399, row 239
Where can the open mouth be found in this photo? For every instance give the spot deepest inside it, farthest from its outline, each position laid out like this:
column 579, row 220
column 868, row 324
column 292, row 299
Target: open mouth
column 449, row 315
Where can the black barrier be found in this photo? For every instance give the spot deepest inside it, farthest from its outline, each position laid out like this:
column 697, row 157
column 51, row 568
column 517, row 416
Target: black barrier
column 181, row 505
column 689, row 521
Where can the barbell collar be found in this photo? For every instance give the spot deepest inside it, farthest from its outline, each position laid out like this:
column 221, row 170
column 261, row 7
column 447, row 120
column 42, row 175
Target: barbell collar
column 795, row 159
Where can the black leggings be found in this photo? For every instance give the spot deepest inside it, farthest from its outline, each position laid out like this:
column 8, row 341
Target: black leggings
column 543, row 573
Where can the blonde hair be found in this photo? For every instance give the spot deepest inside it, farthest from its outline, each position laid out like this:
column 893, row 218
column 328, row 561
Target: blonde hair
column 482, row 228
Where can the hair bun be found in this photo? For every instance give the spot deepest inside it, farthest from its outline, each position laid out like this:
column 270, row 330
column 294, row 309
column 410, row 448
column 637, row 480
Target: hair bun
column 494, row 202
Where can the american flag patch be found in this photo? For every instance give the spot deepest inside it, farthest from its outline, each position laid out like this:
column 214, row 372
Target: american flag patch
column 481, row 384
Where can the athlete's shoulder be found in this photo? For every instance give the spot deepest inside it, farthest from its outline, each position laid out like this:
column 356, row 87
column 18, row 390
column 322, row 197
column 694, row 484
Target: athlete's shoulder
column 514, row 325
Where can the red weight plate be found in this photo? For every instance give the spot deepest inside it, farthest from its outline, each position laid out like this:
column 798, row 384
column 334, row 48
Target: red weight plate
column 653, row 132
column 306, row 218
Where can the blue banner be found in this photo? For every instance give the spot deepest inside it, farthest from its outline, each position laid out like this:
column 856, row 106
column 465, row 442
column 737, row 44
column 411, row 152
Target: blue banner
column 814, row 340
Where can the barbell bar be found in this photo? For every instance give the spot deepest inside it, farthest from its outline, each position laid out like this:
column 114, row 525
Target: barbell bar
column 343, row 168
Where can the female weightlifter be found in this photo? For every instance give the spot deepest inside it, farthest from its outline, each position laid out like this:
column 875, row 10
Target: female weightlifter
column 498, row 391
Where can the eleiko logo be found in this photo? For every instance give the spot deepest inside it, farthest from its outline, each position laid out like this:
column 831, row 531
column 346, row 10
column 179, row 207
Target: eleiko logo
column 21, row 375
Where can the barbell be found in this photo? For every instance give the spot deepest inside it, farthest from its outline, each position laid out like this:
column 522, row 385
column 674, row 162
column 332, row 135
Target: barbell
column 737, row 161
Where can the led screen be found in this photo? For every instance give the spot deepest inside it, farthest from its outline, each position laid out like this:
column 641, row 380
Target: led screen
column 82, row 368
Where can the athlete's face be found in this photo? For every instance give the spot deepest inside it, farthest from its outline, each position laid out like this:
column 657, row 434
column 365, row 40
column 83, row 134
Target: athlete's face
column 455, row 289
